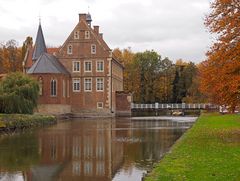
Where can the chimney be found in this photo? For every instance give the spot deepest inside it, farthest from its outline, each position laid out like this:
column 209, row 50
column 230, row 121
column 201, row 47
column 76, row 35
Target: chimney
column 101, row 35
column 96, row 29
column 82, row 17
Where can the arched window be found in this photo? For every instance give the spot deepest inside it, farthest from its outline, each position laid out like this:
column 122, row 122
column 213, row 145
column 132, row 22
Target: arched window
column 69, row 49
column 53, row 87
column 40, row 86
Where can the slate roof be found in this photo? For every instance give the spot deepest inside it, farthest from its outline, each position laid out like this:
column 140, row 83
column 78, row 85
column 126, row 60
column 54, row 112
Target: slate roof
column 40, row 46
column 47, row 63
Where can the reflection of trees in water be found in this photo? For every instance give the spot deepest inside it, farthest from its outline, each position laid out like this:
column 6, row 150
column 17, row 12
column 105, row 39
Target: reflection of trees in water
column 18, row 152
column 153, row 142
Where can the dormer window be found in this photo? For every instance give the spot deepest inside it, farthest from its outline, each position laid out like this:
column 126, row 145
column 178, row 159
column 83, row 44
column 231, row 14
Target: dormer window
column 76, row 35
column 69, row 49
column 93, row 49
column 87, row 34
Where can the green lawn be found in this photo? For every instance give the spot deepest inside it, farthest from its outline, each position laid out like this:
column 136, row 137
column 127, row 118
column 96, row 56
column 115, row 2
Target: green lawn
column 210, row 150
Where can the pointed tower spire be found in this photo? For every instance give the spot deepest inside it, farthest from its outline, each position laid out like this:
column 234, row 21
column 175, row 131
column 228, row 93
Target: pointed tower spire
column 40, row 46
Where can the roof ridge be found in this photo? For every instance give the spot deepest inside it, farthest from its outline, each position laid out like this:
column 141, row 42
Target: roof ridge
column 37, row 62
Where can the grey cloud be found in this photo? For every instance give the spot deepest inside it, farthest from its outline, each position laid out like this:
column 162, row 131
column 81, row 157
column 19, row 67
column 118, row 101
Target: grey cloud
column 173, row 28
column 179, row 28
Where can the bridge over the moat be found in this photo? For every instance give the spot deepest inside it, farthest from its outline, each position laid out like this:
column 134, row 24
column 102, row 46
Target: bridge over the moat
column 174, row 106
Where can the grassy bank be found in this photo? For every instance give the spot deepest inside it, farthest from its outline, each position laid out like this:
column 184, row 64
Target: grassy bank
column 22, row 121
column 210, row 150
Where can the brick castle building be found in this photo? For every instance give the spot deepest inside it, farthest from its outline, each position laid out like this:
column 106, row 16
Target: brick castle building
column 82, row 76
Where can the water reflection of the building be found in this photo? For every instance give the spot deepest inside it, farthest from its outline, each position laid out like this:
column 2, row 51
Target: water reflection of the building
column 76, row 151
column 96, row 150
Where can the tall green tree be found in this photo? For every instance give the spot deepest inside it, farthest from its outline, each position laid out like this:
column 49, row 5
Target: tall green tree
column 18, row 94
column 184, row 75
column 148, row 66
column 155, row 79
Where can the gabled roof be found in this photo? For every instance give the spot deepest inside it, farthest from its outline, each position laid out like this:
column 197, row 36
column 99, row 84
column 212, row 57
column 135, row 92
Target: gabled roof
column 97, row 37
column 47, row 63
column 40, row 46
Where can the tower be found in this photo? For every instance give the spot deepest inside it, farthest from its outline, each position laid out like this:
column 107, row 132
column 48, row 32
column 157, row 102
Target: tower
column 40, row 46
column 88, row 19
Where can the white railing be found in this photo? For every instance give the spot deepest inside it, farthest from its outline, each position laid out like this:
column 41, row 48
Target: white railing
column 174, row 106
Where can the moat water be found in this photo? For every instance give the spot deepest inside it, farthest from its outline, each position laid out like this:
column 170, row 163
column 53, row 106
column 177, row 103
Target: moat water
column 121, row 149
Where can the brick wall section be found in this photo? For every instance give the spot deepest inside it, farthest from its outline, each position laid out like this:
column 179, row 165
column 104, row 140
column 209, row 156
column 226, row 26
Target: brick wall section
column 87, row 101
column 123, row 103
column 46, row 97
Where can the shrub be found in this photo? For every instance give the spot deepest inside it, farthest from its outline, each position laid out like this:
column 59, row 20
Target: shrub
column 18, row 94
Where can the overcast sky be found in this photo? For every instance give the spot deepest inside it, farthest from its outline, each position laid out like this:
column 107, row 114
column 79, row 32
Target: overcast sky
column 173, row 28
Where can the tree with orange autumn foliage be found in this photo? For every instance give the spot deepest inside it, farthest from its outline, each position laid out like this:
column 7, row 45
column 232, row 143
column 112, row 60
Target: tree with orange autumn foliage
column 220, row 73
column 10, row 57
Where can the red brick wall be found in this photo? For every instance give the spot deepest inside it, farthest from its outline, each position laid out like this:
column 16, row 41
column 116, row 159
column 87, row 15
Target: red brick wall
column 123, row 104
column 82, row 101
column 46, row 97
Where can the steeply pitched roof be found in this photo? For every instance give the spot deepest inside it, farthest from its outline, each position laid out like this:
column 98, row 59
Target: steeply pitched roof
column 47, row 63
column 40, row 46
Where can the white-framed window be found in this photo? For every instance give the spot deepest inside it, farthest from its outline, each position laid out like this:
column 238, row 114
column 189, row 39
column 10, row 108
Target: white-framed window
column 99, row 105
column 88, row 84
column 76, row 66
column 53, row 87
column 93, row 49
column 99, row 84
column 76, row 84
column 87, row 66
column 88, row 168
column 99, row 66
column 69, row 49
column 87, row 34
column 76, row 34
